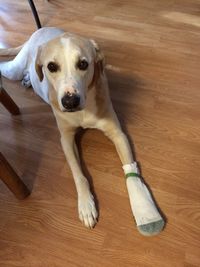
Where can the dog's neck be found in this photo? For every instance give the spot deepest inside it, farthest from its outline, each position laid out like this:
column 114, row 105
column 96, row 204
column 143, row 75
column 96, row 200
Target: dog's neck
column 101, row 97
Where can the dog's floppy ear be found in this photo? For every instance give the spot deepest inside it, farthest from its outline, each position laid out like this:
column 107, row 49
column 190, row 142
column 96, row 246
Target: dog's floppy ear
column 99, row 56
column 99, row 63
column 38, row 64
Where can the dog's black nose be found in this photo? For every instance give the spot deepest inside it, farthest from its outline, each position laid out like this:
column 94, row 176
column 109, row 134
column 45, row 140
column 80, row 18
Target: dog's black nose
column 70, row 101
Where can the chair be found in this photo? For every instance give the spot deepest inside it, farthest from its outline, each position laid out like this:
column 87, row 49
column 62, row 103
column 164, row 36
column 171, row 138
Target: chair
column 7, row 174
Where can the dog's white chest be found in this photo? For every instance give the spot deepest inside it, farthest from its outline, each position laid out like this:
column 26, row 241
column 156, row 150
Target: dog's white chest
column 89, row 120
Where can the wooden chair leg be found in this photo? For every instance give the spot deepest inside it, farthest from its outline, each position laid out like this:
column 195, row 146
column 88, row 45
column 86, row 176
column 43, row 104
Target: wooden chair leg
column 12, row 180
column 7, row 101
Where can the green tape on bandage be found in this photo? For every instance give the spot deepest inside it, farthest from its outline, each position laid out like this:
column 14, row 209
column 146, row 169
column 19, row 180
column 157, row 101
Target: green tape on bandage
column 132, row 174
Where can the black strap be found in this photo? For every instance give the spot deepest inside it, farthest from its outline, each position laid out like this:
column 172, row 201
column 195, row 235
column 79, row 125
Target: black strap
column 35, row 14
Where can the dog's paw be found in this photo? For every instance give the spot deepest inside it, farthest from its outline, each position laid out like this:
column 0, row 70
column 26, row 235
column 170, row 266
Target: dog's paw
column 87, row 210
column 26, row 80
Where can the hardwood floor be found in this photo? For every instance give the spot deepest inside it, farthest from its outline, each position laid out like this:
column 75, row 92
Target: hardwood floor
column 153, row 66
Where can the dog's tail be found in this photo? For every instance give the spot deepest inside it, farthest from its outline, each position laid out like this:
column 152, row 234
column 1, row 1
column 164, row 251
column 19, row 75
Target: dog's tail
column 10, row 51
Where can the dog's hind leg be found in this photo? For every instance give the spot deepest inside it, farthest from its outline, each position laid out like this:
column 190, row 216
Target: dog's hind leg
column 14, row 69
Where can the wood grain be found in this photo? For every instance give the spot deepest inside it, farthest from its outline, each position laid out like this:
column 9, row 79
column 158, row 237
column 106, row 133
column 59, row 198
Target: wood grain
column 152, row 55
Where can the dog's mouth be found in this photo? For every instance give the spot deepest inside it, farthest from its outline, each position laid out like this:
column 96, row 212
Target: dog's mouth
column 72, row 110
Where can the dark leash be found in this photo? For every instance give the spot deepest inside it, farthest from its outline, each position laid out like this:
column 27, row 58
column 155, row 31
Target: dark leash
column 35, row 14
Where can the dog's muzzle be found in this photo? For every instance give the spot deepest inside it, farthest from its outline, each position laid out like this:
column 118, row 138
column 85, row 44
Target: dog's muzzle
column 70, row 102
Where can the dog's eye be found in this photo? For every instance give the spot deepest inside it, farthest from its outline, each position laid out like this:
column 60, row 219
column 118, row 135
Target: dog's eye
column 52, row 67
column 82, row 64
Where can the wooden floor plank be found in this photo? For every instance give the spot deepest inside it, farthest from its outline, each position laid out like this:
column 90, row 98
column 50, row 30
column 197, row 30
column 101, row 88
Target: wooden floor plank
column 152, row 56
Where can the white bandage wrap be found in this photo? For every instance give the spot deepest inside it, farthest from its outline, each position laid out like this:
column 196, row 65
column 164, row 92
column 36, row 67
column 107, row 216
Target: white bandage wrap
column 142, row 204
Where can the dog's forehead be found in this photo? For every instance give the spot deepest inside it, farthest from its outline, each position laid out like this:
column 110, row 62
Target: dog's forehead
column 76, row 43
column 68, row 46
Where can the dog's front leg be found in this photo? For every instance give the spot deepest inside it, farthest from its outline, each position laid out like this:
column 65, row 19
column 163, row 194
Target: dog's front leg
column 148, row 219
column 86, row 206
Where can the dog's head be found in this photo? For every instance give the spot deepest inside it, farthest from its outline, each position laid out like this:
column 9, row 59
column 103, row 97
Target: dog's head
column 72, row 65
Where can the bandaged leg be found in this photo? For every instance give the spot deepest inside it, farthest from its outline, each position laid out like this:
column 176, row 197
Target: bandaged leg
column 147, row 217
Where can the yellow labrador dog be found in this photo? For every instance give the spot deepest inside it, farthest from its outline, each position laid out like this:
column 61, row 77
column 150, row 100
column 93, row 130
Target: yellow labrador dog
column 67, row 71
